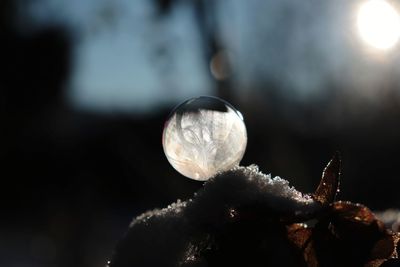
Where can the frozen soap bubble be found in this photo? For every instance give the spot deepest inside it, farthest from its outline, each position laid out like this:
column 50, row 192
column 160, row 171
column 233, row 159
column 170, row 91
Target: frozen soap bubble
column 204, row 136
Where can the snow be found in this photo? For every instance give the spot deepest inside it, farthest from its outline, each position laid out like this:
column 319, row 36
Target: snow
column 165, row 237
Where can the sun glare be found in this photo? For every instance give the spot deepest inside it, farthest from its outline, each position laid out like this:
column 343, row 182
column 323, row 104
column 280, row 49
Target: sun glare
column 378, row 24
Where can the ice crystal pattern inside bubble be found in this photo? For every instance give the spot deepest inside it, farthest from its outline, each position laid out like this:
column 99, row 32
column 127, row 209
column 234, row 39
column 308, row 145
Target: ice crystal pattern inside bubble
column 204, row 136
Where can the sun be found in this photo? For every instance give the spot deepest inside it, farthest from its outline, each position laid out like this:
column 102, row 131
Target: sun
column 378, row 24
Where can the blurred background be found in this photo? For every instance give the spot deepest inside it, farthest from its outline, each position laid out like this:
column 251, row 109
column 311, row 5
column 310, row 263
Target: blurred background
column 87, row 85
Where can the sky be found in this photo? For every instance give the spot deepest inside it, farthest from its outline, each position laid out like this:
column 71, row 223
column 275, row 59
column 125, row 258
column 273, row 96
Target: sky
column 128, row 59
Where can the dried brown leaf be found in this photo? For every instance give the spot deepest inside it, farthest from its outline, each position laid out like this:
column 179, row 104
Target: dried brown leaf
column 329, row 184
column 391, row 263
column 356, row 213
column 375, row 263
column 301, row 236
column 358, row 230
column 384, row 248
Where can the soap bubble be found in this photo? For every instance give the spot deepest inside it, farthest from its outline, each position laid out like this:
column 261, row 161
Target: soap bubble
column 204, row 136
